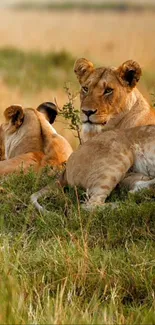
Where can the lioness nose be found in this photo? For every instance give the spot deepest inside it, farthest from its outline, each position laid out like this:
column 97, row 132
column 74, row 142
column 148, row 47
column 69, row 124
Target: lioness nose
column 89, row 112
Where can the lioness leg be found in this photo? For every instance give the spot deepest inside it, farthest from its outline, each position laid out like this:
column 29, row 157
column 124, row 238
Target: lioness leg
column 35, row 196
column 136, row 181
column 23, row 162
column 98, row 194
column 98, row 199
column 141, row 184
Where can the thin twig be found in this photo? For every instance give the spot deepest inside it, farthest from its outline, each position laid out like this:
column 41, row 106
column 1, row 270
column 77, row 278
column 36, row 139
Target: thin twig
column 69, row 112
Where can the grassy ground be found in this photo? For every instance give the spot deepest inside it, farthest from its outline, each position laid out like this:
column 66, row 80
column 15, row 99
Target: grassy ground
column 74, row 267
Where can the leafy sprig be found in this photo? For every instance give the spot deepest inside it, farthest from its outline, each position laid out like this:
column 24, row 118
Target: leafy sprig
column 70, row 113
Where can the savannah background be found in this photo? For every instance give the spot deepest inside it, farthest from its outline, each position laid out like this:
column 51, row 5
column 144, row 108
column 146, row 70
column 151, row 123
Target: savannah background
column 69, row 266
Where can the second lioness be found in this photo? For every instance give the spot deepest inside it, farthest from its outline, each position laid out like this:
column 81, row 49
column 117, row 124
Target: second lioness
column 102, row 162
column 28, row 138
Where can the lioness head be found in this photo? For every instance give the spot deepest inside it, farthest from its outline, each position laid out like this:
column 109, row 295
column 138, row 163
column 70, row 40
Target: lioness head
column 105, row 92
column 23, row 130
column 15, row 114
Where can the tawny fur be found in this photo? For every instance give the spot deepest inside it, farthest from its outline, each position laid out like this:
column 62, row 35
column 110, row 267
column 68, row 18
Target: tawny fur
column 102, row 162
column 2, row 149
column 123, row 107
column 111, row 98
column 28, row 139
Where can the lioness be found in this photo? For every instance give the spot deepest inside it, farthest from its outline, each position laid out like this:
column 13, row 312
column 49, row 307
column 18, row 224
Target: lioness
column 102, row 162
column 28, row 139
column 109, row 98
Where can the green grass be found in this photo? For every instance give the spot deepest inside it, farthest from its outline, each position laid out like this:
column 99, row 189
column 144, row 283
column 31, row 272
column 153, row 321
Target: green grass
column 33, row 71
column 75, row 267
column 85, row 5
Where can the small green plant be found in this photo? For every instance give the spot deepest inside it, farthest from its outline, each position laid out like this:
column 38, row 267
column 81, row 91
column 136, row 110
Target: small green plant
column 69, row 112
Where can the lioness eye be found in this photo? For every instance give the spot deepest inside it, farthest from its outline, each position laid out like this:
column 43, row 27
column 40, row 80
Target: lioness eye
column 108, row 91
column 85, row 89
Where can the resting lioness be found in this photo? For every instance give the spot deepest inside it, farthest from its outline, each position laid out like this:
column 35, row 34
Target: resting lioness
column 28, row 139
column 109, row 98
column 102, row 162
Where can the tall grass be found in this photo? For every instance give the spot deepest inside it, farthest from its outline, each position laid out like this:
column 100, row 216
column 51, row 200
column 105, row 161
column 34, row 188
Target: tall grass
column 74, row 267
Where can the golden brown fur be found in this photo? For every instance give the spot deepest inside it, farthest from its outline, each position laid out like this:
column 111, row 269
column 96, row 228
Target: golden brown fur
column 28, row 139
column 102, row 162
column 2, row 150
column 109, row 98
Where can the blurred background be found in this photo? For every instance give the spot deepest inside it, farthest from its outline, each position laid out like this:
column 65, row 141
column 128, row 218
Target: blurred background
column 40, row 40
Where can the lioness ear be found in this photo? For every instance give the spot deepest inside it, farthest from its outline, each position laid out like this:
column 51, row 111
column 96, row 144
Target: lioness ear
column 129, row 72
column 14, row 113
column 83, row 68
column 49, row 110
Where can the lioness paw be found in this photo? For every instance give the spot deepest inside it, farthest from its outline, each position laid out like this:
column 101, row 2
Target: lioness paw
column 92, row 206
